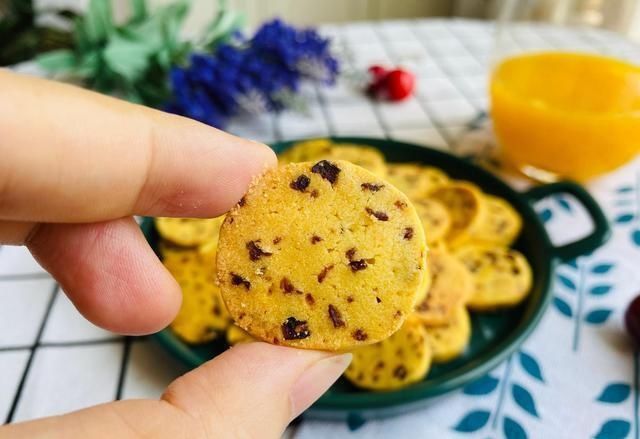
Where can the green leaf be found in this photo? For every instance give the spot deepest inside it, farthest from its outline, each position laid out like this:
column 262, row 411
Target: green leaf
column 80, row 37
column 149, row 30
column 221, row 28
column 88, row 65
column 129, row 58
column 132, row 95
column 57, row 61
column 98, row 20
column 139, row 10
column 153, row 93
column 171, row 18
column 163, row 58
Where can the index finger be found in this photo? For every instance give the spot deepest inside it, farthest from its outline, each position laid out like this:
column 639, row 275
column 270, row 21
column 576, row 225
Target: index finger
column 70, row 155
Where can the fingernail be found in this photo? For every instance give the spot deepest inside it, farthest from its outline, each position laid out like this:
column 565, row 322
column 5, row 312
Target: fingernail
column 315, row 381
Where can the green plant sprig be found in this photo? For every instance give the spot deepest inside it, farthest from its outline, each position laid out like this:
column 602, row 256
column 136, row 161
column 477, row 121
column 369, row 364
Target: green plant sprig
column 132, row 60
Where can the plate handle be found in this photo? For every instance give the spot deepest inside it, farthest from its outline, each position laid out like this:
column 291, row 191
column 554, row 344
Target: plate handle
column 601, row 229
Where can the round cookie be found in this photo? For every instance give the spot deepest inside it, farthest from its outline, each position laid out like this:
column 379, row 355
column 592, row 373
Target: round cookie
column 237, row 335
column 369, row 158
column 394, row 363
column 435, row 219
column 409, row 178
column 501, row 223
column 179, row 260
column 321, row 255
column 451, row 287
column 440, row 245
column 209, row 248
column 425, row 286
column 415, row 180
column 449, row 341
column 305, row 151
column 466, row 207
column 171, row 254
column 313, row 150
column 188, row 232
column 436, row 178
column 502, row 276
column 202, row 312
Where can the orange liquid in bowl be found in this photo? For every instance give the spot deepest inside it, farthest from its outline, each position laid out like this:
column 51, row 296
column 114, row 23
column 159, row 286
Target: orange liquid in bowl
column 574, row 115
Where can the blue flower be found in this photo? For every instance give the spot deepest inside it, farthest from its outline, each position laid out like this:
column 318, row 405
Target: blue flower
column 250, row 75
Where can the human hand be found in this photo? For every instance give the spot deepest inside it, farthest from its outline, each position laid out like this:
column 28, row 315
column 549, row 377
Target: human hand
column 75, row 166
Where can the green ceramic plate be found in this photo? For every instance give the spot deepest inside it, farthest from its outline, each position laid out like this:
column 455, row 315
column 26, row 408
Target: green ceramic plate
column 495, row 335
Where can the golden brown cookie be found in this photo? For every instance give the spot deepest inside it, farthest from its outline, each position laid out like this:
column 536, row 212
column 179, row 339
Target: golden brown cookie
column 394, row 363
column 439, row 245
column 436, row 178
column 502, row 276
column 501, row 224
column 188, row 232
column 237, row 335
column 179, row 260
column 415, row 180
column 466, row 207
column 449, row 341
column 369, row 158
column 451, row 287
column 305, row 151
column 408, row 177
column 202, row 312
column 435, row 219
column 321, row 255
column 314, row 150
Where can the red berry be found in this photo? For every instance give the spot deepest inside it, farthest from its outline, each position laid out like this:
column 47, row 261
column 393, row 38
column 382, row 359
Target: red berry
column 377, row 72
column 632, row 319
column 374, row 88
column 398, row 84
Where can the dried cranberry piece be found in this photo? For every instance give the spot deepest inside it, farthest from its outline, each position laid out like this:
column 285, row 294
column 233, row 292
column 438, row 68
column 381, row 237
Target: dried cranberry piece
column 301, row 183
column 336, row 317
column 255, row 252
column 358, row 264
column 327, row 170
column 236, row 279
column 293, row 329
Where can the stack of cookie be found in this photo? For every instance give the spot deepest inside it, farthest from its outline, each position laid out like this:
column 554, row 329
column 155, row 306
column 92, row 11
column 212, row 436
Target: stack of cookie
column 188, row 250
column 470, row 263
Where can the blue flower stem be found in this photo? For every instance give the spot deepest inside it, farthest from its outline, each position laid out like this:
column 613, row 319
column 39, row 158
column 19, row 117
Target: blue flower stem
column 503, row 389
column 636, row 395
column 578, row 320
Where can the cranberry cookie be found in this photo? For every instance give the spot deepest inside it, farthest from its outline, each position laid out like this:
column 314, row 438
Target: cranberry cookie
column 322, row 255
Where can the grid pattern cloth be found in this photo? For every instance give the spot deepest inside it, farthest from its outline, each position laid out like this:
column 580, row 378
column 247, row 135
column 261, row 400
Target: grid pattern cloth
column 576, row 376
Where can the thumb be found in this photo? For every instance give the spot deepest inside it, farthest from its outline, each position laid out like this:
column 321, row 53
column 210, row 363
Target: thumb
column 255, row 389
column 251, row 390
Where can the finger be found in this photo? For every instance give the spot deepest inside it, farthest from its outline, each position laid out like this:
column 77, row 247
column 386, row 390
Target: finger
column 70, row 155
column 250, row 391
column 14, row 232
column 255, row 389
column 110, row 274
